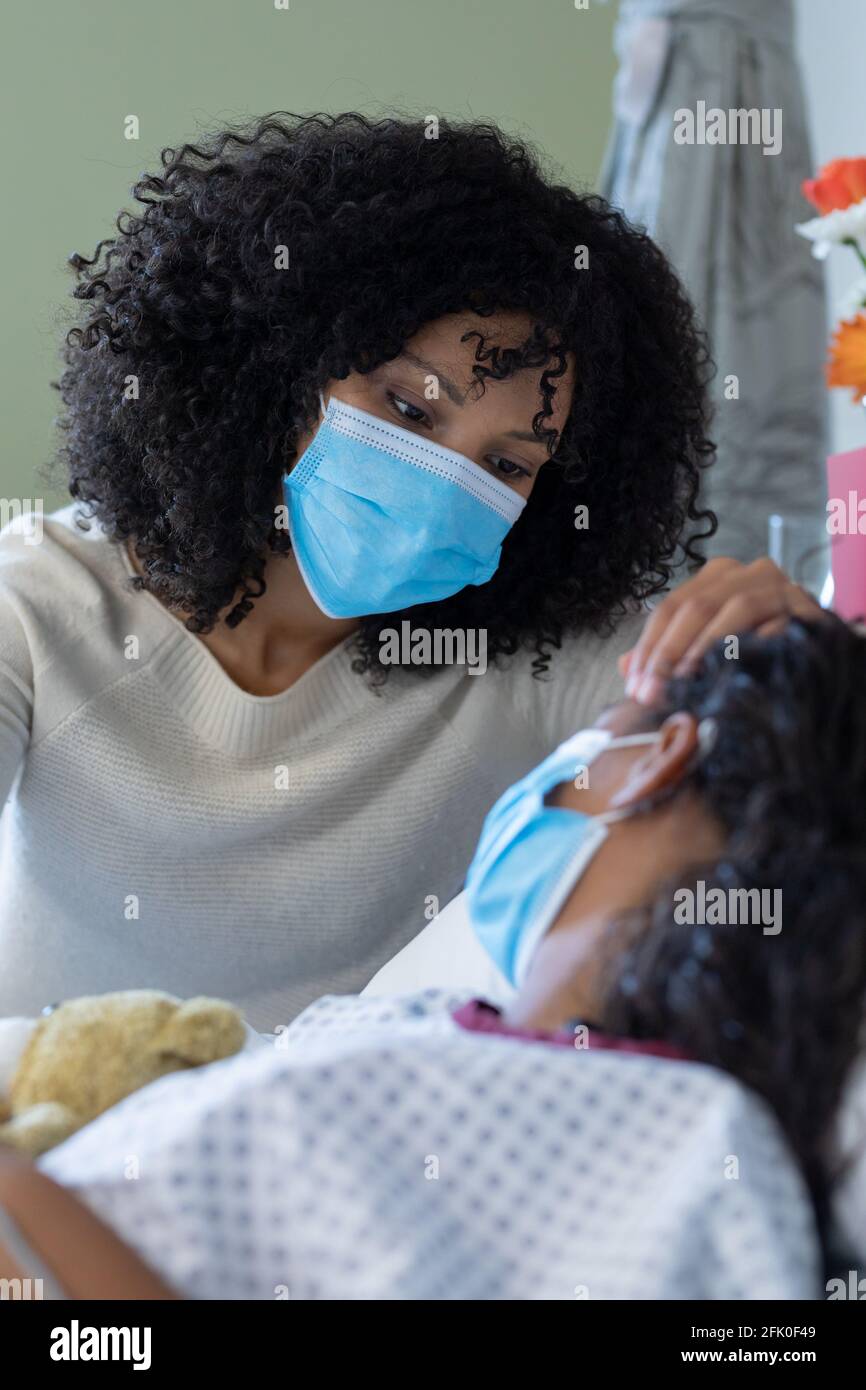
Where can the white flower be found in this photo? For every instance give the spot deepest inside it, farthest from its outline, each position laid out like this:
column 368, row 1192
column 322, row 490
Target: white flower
column 845, row 224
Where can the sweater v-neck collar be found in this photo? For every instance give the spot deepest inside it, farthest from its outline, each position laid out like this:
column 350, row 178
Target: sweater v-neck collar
column 224, row 714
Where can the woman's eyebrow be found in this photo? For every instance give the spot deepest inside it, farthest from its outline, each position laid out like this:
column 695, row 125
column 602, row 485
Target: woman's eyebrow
column 527, row 436
column 459, row 398
column 452, row 392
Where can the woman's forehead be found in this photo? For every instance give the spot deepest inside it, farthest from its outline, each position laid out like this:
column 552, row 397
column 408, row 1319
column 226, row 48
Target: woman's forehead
column 453, row 340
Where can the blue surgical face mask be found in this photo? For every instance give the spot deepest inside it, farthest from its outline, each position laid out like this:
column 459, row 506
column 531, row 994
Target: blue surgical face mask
column 530, row 855
column 381, row 519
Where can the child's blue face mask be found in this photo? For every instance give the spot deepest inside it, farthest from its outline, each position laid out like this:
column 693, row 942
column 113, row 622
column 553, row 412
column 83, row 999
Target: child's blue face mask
column 382, row 520
column 530, row 855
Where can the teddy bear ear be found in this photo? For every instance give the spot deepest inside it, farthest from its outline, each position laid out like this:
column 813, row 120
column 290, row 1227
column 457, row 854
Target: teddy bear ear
column 200, row 1030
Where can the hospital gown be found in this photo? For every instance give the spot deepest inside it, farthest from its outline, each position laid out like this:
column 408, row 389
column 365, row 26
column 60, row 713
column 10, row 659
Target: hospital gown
column 380, row 1150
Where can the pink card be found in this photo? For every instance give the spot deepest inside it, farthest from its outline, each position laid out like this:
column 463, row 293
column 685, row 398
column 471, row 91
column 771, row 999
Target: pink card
column 846, row 526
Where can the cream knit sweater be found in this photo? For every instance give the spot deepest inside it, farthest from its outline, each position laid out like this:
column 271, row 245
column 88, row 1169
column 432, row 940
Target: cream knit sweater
column 166, row 829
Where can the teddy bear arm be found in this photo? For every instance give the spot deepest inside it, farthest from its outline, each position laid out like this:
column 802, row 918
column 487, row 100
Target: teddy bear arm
column 39, row 1127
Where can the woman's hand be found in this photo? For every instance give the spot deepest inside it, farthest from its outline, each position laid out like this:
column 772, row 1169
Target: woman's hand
column 724, row 598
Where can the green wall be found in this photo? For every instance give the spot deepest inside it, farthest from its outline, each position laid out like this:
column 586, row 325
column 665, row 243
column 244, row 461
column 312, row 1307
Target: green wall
column 73, row 69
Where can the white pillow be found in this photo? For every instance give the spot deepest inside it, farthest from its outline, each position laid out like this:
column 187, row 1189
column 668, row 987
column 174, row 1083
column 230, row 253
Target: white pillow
column 445, row 955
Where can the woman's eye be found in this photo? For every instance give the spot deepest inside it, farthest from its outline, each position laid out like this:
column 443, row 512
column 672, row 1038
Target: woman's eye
column 408, row 410
column 507, row 468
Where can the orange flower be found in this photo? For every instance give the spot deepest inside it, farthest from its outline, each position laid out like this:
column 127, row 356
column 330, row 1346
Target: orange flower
column 839, row 184
column 847, row 363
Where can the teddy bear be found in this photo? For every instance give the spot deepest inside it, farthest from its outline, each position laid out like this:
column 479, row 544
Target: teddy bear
column 60, row 1071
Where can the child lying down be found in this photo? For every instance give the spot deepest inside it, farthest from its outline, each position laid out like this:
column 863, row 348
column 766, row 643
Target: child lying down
column 677, row 897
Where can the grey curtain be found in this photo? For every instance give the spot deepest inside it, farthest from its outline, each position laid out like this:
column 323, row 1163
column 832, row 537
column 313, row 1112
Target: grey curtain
column 725, row 215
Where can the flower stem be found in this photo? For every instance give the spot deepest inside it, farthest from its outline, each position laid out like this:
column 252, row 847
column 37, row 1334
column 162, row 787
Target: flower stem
column 849, row 241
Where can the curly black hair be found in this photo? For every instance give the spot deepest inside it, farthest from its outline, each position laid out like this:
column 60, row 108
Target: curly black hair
column 388, row 230
column 786, row 780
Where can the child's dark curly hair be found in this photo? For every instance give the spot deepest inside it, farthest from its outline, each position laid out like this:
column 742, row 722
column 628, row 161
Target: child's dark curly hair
column 387, row 231
column 786, row 779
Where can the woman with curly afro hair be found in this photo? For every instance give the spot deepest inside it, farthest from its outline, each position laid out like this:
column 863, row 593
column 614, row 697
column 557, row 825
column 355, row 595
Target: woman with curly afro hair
column 377, row 440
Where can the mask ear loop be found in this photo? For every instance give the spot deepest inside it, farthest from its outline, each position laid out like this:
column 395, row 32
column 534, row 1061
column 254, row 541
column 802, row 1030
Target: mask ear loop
column 707, row 733
column 632, row 740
